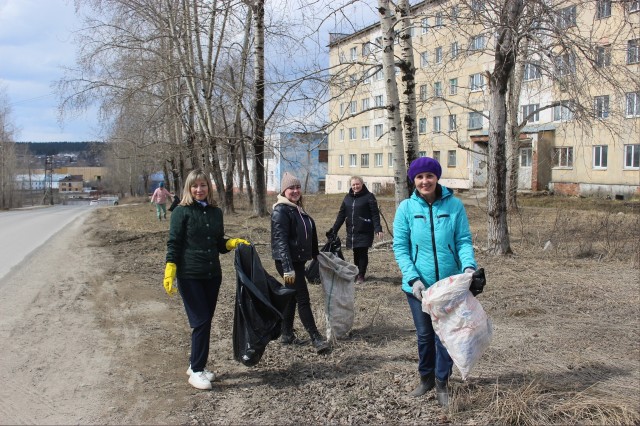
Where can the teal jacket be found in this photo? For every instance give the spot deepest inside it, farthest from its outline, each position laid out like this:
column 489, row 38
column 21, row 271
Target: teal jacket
column 196, row 238
column 432, row 242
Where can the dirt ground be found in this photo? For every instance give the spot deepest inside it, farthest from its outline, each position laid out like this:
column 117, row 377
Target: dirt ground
column 565, row 309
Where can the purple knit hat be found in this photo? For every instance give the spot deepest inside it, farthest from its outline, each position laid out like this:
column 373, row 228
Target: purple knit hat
column 424, row 165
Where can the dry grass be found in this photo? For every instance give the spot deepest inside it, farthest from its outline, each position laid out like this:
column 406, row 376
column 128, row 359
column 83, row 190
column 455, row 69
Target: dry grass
column 566, row 346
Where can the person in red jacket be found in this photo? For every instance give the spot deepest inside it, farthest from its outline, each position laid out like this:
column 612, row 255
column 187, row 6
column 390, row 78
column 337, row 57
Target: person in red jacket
column 159, row 198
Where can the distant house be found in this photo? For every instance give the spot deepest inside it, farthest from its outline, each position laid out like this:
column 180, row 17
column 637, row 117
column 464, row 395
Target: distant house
column 71, row 183
column 304, row 155
column 36, row 181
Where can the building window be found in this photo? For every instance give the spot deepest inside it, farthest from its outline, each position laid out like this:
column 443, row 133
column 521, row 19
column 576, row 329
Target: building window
column 353, row 107
column 455, row 50
column 476, row 5
column 453, row 126
column 341, row 135
column 530, row 112
column 339, row 185
column 378, row 101
column 563, row 157
column 475, row 120
column 436, row 124
column 424, row 59
column 436, row 155
column 600, row 156
column 437, row 89
column 603, row 9
column 422, row 125
column 341, row 160
column 365, row 104
column 353, row 160
column 377, row 130
column 566, row 64
column 377, row 159
column 476, row 82
column 424, row 25
column 364, row 132
column 453, row 86
column 323, row 156
column 532, row 71
column 476, row 43
column 633, row 104
column 455, row 12
column 379, row 75
column 603, row 56
column 366, row 48
column 634, row 5
column 422, row 154
column 632, row 156
column 451, row 158
column 525, row 157
column 390, row 160
column 567, row 17
column 423, row 92
column 366, row 76
column 353, row 134
column 563, row 112
column 601, row 106
column 353, row 53
column 364, row 160
column 343, row 108
column 438, row 55
column 439, row 19
column 633, row 51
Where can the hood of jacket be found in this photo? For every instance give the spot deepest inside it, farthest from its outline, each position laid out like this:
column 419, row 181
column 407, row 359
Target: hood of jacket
column 362, row 192
column 281, row 199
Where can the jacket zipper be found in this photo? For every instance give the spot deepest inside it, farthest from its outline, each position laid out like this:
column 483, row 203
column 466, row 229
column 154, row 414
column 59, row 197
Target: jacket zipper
column 455, row 257
column 433, row 243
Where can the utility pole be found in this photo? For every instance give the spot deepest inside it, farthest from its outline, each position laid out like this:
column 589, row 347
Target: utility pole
column 2, row 151
column 48, row 180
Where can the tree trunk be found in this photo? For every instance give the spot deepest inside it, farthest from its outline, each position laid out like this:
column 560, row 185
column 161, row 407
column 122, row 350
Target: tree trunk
column 504, row 62
column 408, row 104
column 393, row 101
column 260, row 203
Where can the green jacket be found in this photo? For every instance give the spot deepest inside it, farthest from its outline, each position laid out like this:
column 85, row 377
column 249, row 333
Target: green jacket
column 196, row 238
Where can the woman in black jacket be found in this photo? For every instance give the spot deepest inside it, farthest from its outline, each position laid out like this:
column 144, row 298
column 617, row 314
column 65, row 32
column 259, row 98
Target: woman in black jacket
column 294, row 241
column 360, row 210
column 196, row 239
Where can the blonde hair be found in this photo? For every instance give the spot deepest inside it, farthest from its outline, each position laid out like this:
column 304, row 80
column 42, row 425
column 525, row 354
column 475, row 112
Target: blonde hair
column 187, row 198
column 356, row 177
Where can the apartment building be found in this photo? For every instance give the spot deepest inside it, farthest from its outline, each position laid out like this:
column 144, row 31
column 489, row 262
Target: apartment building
column 563, row 147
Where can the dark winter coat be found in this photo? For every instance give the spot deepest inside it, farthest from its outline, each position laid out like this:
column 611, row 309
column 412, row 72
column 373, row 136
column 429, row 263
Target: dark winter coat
column 294, row 237
column 196, row 238
column 360, row 211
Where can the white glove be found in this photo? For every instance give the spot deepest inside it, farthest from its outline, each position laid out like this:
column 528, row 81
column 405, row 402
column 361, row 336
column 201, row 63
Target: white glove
column 417, row 289
column 289, row 278
column 469, row 270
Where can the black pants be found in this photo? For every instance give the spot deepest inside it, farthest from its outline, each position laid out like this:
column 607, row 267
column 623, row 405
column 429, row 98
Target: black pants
column 361, row 259
column 200, row 298
column 302, row 300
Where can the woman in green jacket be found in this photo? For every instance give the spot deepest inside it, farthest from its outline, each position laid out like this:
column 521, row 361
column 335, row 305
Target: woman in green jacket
column 196, row 239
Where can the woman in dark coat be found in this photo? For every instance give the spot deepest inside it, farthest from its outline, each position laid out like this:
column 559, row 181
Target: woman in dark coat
column 360, row 210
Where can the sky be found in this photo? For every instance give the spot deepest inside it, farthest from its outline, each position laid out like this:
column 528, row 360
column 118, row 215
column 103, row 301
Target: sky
column 36, row 42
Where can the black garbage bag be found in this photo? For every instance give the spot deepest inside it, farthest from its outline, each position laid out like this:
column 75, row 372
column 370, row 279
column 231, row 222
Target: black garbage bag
column 333, row 245
column 260, row 300
column 174, row 203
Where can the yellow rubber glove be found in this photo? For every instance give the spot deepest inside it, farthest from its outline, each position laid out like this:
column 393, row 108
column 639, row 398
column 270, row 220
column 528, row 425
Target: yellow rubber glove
column 232, row 243
column 169, row 276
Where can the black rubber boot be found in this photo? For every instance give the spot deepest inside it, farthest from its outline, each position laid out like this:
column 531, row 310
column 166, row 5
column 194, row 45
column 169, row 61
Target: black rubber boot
column 290, row 338
column 426, row 384
column 321, row 345
column 442, row 393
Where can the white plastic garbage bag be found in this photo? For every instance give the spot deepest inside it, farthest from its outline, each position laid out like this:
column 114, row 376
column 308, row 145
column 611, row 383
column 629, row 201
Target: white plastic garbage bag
column 459, row 320
column 337, row 277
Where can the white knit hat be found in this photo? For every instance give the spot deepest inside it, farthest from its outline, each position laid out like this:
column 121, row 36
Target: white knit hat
column 288, row 180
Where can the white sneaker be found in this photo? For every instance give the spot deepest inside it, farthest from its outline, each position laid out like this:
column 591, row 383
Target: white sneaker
column 199, row 380
column 210, row 374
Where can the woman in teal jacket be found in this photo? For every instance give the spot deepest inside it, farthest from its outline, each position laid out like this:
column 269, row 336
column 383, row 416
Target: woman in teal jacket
column 431, row 241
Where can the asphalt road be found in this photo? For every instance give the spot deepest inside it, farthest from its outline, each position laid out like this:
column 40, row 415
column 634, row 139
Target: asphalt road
column 24, row 230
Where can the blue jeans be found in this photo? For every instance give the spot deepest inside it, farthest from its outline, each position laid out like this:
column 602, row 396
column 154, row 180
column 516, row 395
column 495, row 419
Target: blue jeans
column 432, row 355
